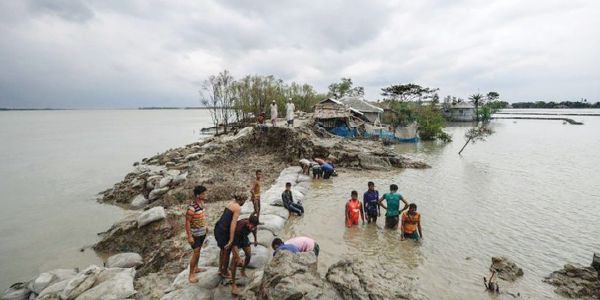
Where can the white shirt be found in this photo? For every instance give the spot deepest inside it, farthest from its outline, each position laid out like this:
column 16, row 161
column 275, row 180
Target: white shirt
column 273, row 111
column 289, row 109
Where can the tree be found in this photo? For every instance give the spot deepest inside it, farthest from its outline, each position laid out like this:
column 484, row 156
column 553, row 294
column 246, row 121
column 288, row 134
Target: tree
column 477, row 100
column 492, row 96
column 344, row 88
column 475, row 134
column 430, row 119
column 406, row 92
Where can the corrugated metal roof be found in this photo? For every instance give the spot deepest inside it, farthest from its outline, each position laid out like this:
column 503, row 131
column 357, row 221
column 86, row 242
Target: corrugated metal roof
column 360, row 105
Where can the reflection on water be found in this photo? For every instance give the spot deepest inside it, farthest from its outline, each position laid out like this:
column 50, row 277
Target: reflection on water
column 528, row 192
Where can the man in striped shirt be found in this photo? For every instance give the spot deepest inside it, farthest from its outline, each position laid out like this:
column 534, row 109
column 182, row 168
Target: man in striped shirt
column 195, row 226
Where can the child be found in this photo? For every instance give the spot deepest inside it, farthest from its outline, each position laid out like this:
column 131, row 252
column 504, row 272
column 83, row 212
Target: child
column 316, row 168
column 288, row 200
column 195, row 226
column 243, row 228
column 353, row 209
column 255, row 194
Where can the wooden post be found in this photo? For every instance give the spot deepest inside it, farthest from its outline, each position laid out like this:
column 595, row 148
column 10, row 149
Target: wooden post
column 463, row 148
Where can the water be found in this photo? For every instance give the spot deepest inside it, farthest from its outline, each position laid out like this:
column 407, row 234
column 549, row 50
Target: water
column 529, row 192
column 52, row 166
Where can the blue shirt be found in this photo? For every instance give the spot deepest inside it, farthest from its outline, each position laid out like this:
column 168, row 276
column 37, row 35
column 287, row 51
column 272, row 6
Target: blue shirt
column 370, row 200
column 287, row 247
column 327, row 167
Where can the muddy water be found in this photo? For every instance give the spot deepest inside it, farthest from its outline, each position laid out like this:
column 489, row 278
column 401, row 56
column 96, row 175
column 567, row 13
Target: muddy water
column 529, row 192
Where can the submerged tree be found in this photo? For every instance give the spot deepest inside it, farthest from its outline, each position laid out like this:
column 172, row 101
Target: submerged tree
column 476, row 134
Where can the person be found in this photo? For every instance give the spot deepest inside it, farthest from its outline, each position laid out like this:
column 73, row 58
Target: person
column 279, row 246
column 260, row 120
column 319, row 160
column 195, row 227
column 328, row 170
column 225, row 230
column 353, row 209
column 491, row 286
column 305, row 164
column 274, row 113
column 371, row 203
column 392, row 207
column 255, row 194
column 316, row 169
column 411, row 224
column 243, row 228
column 305, row 244
column 289, row 112
column 288, row 200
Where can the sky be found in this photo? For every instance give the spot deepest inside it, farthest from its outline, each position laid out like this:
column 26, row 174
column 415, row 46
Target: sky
column 126, row 54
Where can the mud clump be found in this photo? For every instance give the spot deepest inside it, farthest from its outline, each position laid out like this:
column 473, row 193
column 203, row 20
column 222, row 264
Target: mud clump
column 576, row 281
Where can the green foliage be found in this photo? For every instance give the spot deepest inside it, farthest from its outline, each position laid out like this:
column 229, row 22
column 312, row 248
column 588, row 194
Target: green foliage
column 407, row 92
column 477, row 100
column 430, row 119
column 345, row 88
column 476, row 134
column 564, row 104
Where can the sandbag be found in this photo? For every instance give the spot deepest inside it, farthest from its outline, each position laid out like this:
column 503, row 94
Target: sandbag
column 138, row 202
column 124, row 260
column 265, row 237
column 303, row 178
column 272, row 223
column 193, row 292
column 113, row 283
column 81, row 282
column 40, row 282
column 209, row 255
column 53, row 291
column 208, row 279
column 17, row 291
column 275, row 210
column 260, row 256
column 151, row 215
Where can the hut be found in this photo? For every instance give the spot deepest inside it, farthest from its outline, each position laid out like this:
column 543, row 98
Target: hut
column 371, row 112
column 462, row 112
column 338, row 118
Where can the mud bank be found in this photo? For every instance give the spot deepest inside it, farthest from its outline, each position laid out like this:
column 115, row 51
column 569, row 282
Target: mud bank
column 157, row 191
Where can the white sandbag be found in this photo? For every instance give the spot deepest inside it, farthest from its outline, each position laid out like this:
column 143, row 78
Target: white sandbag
column 40, row 282
column 179, row 178
column 63, row 274
column 165, row 181
column 151, row 215
column 303, row 178
column 208, row 279
column 112, row 284
column 265, row 237
column 17, row 291
column 81, row 283
column 248, row 207
column 260, row 256
column 303, row 184
column 138, row 202
column 209, row 254
column 157, row 192
column 32, row 296
column 272, row 223
column 124, row 260
column 194, row 292
column 275, row 210
column 303, row 190
column 53, row 291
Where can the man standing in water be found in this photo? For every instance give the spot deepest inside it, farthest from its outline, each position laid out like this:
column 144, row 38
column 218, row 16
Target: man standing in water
column 371, row 203
column 393, row 205
column 195, row 226
column 411, row 222
column 255, row 194
column 289, row 112
column 353, row 209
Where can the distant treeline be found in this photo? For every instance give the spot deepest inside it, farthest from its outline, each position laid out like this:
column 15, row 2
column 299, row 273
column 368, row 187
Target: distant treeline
column 564, row 104
column 25, row 109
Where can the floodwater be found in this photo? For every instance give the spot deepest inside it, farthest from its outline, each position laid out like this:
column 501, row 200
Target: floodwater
column 530, row 192
column 52, row 166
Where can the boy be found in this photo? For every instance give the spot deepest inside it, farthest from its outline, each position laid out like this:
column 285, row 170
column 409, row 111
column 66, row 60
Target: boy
column 353, row 209
column 288, row 200
column 305, row 244
column 195, row 226
column 242, row 229
column 393, row 206
column 316, row 168
column 255, row 194
column 278, row 246
column 411, row 224
column 371, row 203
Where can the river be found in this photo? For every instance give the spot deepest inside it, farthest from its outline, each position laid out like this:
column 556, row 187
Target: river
column 52, row 166
column 529, row 193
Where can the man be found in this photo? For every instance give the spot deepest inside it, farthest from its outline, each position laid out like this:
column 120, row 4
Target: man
column 288, row 200
column 289, row 112
column 279, row 246
column 305, row 244
column 243, row 228
column 353, row 209
column 371, row 203
column 195, row 226
column 393, row 206
column 316, row 169
column 411, row 224
column 305, row 164
column 255, row 194
column 274, row 113
column 327, row 170
column 225, row 229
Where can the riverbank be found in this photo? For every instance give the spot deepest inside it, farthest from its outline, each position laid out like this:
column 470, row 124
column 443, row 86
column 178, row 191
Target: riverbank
column 226, row 163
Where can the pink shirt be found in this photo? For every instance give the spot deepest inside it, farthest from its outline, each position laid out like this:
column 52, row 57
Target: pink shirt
column 303, row 243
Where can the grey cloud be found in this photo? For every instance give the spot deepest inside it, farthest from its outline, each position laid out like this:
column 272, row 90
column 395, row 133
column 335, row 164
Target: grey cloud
column 71, row 10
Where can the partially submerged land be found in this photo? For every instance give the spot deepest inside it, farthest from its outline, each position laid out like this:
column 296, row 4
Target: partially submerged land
column 149, row 253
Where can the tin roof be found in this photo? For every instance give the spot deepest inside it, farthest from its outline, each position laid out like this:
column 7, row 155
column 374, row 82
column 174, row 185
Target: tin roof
column 360, row 105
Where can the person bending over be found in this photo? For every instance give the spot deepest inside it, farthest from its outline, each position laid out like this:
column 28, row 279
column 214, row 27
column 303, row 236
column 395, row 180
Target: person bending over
column 243, row 228
column 305, row 244
column 225, row 230
column 278, row 246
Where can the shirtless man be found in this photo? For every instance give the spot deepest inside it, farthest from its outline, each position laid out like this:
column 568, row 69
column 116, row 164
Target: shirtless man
column 255, row 194
column 353, row 209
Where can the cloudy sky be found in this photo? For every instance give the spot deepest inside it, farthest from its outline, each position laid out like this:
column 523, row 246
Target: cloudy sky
column 120, row 54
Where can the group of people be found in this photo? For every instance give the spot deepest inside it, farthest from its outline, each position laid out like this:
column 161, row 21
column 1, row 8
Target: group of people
column 320, row 168
column 231, row 233
column 409, row 221
column 290, row 108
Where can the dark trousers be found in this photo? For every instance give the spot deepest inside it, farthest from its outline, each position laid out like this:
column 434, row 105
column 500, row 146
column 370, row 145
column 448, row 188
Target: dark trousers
column 296, row 208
